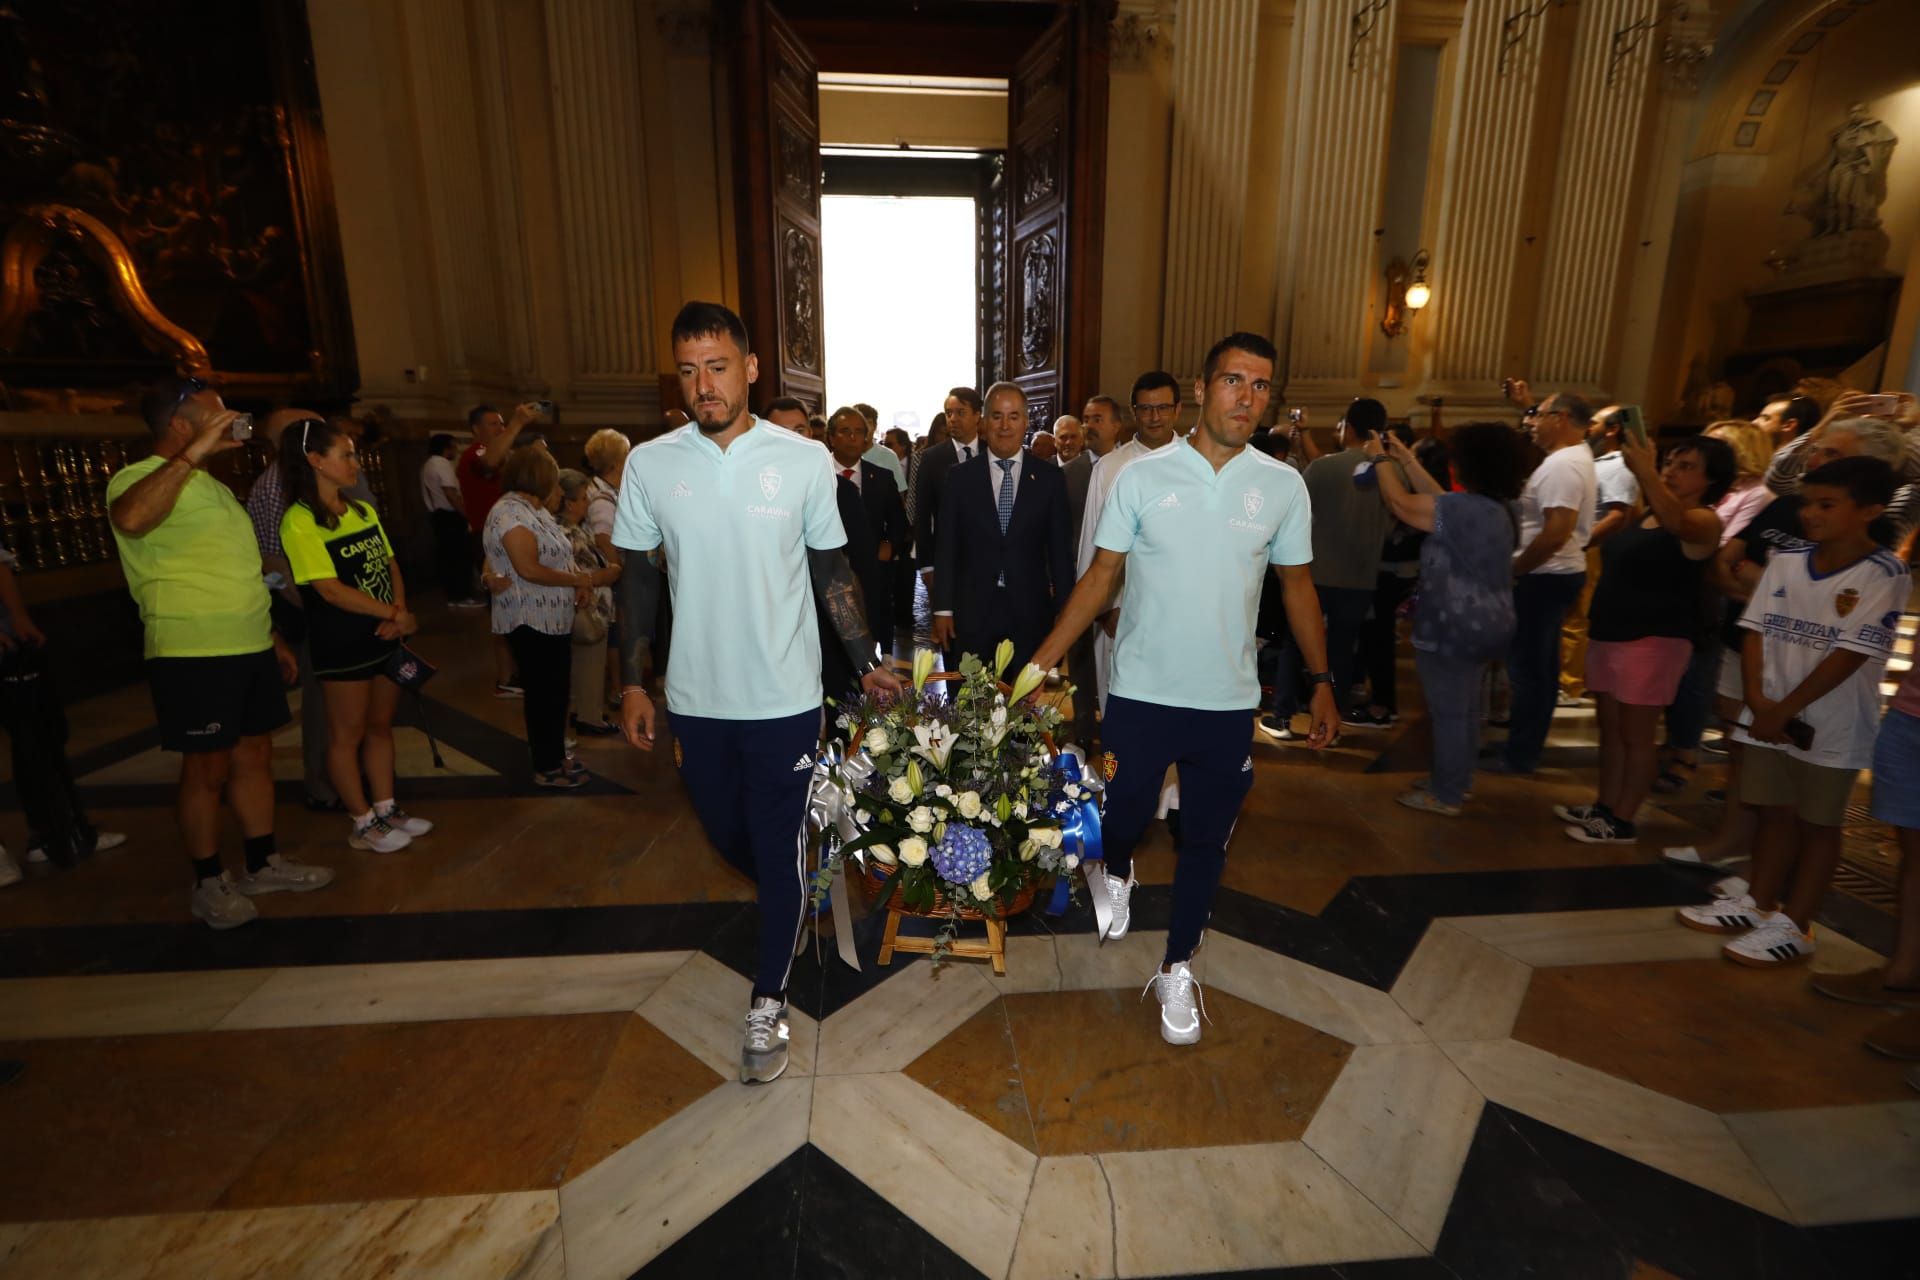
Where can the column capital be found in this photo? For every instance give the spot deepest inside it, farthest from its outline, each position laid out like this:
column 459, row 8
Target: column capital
column 1141, row 32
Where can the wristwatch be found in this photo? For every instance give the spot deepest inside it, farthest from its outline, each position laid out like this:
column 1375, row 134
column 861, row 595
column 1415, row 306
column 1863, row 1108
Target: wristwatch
column 1319, row 677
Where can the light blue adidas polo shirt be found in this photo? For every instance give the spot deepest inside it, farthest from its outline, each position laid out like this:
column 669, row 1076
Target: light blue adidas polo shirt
column 1198, row 543
column 736, row 526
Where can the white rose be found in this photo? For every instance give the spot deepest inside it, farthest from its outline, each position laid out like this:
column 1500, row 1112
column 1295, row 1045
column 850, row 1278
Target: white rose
column 980, row 889
column 863, row 815
column 1072, row 860
column 877, row 740
column 900, row 791
column 968, row 804
column 1047, row 837
column 921, row 820
column 943, row 790
column 913, row 851
column 881, row 854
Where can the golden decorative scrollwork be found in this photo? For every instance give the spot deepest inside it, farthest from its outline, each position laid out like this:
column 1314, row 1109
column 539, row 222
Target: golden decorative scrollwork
column 34, row 232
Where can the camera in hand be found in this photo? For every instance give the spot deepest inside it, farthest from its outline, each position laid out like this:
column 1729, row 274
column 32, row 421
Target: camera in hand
column 1631, row 421
column 241, row 428
column 543, row 407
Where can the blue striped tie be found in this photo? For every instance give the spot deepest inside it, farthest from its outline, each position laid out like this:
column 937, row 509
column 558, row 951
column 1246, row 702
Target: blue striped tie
column 1006, row 503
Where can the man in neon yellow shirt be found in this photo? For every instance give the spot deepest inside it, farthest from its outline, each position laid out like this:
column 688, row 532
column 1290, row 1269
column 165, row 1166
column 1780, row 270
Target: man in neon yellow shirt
column 217, row 671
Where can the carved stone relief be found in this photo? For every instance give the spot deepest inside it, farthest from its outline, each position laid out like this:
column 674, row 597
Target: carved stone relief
column 1141, row 36
column 799, row 287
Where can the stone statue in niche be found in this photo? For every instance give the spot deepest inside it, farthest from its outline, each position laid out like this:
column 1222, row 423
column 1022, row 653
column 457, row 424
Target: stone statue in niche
column 1843, row 193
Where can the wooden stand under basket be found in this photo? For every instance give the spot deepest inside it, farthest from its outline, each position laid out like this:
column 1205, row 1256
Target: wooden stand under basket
column 994, row 948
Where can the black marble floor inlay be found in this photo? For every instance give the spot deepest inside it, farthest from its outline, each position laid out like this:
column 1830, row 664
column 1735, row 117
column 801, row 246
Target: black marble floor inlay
column 808, row 1218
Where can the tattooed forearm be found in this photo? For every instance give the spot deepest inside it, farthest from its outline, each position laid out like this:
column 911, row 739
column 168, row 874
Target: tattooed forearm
column 834, row 583
column 639, row 602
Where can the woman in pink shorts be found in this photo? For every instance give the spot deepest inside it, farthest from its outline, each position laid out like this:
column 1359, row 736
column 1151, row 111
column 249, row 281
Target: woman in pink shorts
column 1650, row 609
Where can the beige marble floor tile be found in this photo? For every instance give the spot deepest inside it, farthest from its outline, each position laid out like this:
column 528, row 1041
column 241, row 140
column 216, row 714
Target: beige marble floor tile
column 122, row 1004
column 514, row 1236
column 961, row 1181
column 445, row 990
column 1642, row 1125
column 1068, row 1228
column 702, row 1008
column 900, row 1019
column 1286, row 1208
column 1032, row 965
column 1325, row 1001
column 1590, row 937
column 1397, row 1125
column 1088, row 963
column 1839, row 1164
column 622, row 1212
column 1459, row 988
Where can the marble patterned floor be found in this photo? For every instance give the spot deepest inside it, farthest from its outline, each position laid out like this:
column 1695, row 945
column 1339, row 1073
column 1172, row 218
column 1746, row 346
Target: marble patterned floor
column 1466, row 1051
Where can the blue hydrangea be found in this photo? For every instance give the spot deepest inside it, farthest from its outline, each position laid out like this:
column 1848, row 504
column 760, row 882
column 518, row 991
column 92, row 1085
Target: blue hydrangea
column 964, row 855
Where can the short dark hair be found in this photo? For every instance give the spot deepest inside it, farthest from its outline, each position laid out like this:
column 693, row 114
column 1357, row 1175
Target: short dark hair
column 785, row 404
column 703, row 319
column 1112, row 404
column 1868, row 481
column 1251, row 343
column 1153, row 380
column 969, row 397
column 159, row 405
column 530, row 471
column 1486, row 460
column 1571, row 405
column 1717, row 459
column 439, row 443
column 1803, row 410
column 1367, row 417
column 867, row 411
column 478, row 412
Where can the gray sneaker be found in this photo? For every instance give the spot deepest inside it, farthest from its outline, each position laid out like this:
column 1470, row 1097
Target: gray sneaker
column 763, row 1055
column 1120, row 895
column 216, row 902
column 283, row 874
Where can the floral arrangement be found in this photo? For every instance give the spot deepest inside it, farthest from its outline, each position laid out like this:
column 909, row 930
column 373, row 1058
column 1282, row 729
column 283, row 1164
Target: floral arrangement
column 953, row 798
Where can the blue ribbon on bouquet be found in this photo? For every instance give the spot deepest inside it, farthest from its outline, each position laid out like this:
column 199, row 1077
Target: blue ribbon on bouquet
column 1079, row 822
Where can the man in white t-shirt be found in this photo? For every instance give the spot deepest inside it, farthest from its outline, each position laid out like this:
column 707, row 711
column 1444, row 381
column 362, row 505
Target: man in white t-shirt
column 1556, row 519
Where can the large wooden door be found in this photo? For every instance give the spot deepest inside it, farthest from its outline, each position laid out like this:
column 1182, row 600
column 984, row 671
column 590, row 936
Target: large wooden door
column 777, row 204
column 1055, row 184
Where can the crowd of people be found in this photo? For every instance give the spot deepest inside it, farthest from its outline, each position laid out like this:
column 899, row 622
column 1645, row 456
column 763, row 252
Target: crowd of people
column 1753, row 573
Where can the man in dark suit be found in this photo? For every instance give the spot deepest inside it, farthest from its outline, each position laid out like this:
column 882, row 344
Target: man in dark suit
column 877, row 538
column 963, row 411
column 1003, row 556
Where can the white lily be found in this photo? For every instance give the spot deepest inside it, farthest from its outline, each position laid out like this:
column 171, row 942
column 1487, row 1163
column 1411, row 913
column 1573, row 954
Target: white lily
column 936, row 743
column 916, row 781
column 997, row 725
column 922, row 668
column 1002, row 657
column 881, row 854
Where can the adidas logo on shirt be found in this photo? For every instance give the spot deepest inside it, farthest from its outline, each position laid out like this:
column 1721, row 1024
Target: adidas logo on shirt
column 1169, row 502
column 680, row 490
column 1780, row 594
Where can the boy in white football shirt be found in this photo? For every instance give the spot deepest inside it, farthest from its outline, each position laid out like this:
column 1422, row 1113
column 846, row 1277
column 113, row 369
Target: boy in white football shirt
column 1820, row 627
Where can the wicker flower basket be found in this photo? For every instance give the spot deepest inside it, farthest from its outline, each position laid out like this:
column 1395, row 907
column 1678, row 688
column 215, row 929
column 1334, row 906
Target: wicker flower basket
column 1021, row 902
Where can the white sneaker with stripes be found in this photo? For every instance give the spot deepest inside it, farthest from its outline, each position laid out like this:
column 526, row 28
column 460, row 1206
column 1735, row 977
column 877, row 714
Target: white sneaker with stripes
column 1776, row 941
column 1725, row 914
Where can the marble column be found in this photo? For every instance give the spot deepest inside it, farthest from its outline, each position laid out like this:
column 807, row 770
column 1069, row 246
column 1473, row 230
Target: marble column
column 1587, row 233
column 593, row 50
column 1476, row 244
column 1339, row 114
column 1213, row 110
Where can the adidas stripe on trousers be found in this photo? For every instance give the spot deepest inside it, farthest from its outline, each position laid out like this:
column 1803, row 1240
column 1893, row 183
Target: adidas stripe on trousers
column 748, row 783
column 1214, row 755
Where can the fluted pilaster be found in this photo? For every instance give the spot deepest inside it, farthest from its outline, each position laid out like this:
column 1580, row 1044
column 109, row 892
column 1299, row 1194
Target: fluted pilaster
column 1476, row 243
column 1592, row 195
column 1207, row 190
column 1340, row 131
column 599, row 151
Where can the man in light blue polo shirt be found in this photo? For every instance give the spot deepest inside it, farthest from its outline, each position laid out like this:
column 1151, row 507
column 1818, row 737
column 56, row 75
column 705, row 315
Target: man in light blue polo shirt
column 747, row 516
column 1195, row 526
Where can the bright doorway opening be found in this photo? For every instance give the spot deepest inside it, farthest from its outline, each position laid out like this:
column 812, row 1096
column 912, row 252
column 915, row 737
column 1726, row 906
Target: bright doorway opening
column 898, row 275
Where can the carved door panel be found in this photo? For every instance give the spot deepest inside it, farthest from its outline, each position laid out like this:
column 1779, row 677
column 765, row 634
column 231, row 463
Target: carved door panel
column 777, row 202
column 1056, row 179
column 990, row 203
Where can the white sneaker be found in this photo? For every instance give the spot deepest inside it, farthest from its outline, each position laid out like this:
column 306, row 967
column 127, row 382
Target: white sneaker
column 377, row 834
column 283, row 874
column 1577, row 814
column 10, row 872
column 1120, row 894
column 218, row 902
column 405, row 823
column 102, row 841
column 763, row 1053
column 1180, row 1004
column 1775, row 941
column 1686, row 855
column 1727, row 913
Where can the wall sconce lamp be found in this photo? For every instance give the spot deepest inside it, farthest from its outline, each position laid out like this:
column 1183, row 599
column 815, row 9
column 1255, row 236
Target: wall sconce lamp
column 1407, row 292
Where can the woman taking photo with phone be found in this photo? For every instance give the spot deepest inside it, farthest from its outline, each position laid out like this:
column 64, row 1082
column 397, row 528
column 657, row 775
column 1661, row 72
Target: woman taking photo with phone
column 1651, row 609
column 356, row 609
